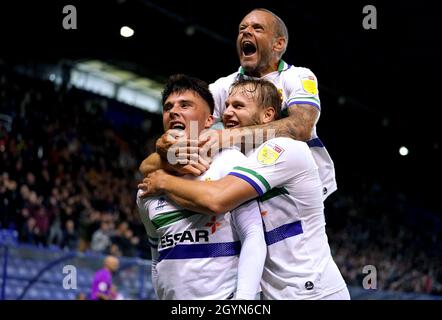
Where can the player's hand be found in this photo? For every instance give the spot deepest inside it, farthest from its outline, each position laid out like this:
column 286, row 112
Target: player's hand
column 153, row 184
column 194, row 168
column 169, row 138
column 184, row 158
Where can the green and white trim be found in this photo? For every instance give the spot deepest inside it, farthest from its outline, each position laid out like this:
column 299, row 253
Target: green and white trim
column 304, row 100
column 165, row 219
column 257, row 181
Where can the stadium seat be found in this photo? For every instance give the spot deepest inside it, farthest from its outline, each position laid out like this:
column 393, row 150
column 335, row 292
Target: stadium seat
column 8, row 236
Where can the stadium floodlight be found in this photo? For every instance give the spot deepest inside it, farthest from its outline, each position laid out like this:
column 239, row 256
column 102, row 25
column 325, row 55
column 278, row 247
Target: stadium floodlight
column 126, row 32
column 403, row 151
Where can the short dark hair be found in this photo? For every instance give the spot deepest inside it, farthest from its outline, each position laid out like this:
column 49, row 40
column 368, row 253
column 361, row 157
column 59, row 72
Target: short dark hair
column 264, row 92
column 179, row 83
column 280, row 29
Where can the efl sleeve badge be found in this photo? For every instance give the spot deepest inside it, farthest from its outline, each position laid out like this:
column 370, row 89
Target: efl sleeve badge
column 269, row 154
column 309, row 86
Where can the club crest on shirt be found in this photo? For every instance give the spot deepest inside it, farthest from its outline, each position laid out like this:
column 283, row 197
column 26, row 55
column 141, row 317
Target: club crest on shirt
column 269, row 154
column 161, row 203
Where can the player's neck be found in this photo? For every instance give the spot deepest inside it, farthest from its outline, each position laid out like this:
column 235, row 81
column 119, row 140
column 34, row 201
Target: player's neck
column 259, row 73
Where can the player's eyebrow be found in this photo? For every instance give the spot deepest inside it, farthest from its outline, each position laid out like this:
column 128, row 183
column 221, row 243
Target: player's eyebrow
column 184, row 101
column 258, row 25
column 234, row 102
column 169, row 104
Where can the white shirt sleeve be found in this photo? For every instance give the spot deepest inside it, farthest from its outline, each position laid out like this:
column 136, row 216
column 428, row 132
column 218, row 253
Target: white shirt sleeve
column 220, row 91
column 248, row 225
column 154, row 272
column 219, row 96
column 226, row 160
column 152, row 236
column 275, row 163
column 302, row 87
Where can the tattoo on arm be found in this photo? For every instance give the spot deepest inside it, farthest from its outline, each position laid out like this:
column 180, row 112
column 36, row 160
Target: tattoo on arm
column 300, row 122
column 298, row 125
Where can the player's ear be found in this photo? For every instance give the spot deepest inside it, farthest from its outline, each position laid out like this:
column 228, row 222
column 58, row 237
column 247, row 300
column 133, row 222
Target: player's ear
column 279, row 44
column 268, row 115
column 209, row 122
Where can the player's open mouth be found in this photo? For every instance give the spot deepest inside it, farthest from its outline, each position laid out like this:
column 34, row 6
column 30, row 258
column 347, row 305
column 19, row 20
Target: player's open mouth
column 248, row 48
column 231, row 124
column 177, row 125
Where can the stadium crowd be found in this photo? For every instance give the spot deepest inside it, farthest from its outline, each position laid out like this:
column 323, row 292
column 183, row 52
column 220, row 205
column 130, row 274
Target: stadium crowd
column 373, row 227
column 68, row 177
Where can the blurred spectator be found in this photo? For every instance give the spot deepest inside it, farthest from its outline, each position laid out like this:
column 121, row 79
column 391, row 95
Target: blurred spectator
column 70, row 238
column 55, row 236
column 101, row 239
column 28, row 233
column 124, row 240
column 41, row 224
